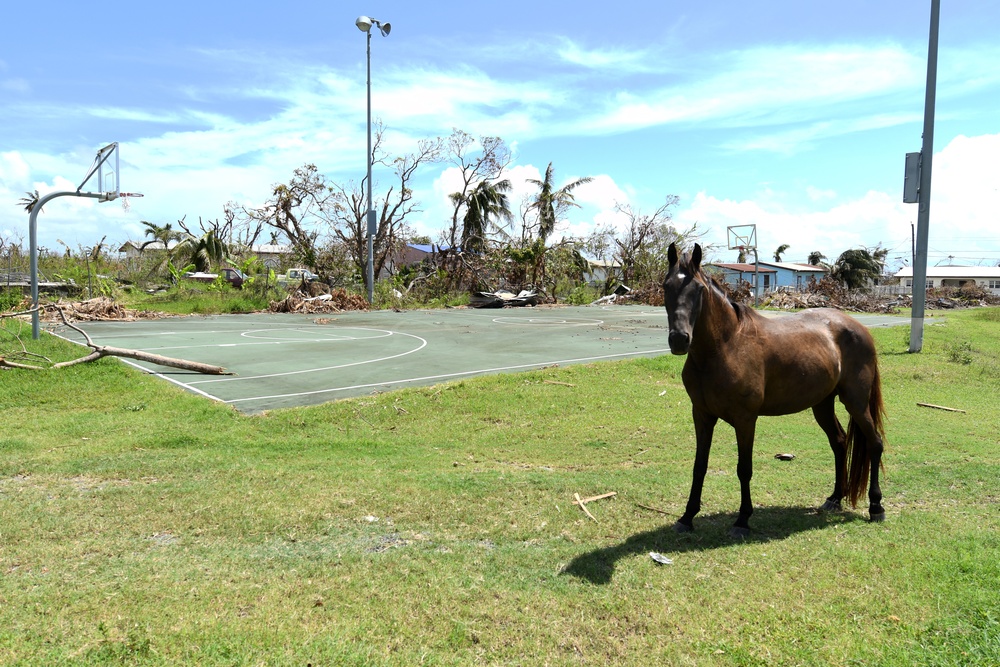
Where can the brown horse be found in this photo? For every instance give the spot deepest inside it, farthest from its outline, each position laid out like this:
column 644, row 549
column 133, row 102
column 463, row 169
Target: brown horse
column 741, row 365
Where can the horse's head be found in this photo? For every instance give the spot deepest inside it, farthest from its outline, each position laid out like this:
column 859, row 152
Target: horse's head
column 683, row 289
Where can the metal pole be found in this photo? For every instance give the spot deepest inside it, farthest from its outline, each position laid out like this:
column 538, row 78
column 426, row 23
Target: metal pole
column 370, row 215
column 924, row 212
column 36, row 331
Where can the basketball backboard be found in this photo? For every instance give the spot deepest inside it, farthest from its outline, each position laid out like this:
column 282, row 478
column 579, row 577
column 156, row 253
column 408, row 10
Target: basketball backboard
column 742, row 237
column 105, row 168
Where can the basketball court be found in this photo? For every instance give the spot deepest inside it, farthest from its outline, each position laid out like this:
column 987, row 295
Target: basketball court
column 285, row 360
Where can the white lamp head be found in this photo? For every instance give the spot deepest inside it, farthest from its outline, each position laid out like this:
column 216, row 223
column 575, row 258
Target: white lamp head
column 364, row 23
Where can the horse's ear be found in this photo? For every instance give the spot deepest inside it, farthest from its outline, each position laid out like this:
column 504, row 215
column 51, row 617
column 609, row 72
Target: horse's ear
column 696, row 257
column 672, row 254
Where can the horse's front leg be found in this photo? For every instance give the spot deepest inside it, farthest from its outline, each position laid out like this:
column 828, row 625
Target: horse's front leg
column 744, row 471
column 704, row 428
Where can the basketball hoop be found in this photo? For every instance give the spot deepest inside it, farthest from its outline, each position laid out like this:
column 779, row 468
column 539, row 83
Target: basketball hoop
column 124, row 197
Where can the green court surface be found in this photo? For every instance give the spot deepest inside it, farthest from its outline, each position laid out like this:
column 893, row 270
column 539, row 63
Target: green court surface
column 284, row 360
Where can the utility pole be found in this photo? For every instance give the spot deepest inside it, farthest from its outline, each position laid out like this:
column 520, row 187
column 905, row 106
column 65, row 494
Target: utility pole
column 923, row 198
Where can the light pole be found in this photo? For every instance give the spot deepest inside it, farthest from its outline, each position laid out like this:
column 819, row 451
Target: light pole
column 365, row 24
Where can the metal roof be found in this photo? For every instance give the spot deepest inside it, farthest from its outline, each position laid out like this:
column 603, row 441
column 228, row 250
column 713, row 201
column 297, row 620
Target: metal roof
column 954, row 272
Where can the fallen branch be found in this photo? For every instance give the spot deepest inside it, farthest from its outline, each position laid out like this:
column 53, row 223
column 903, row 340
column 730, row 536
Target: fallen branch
column 13, row 364
column 99, row 351
column 940, row 407
column 600, row 497
column 561, row 384
column 583, row 506
column 139, row 355
column 653, row 509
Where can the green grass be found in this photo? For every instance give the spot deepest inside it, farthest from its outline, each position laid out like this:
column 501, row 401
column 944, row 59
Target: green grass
column 142, row 525
column 194, row 298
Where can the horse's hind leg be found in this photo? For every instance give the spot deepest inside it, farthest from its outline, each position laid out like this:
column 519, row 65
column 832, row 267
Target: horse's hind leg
column 826, row 416
column 866, row 436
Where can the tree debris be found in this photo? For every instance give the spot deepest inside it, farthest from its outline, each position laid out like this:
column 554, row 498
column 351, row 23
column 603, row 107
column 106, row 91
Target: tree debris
column 106, row 350
column 583, row 506
column 336, row 301
column 940, row 407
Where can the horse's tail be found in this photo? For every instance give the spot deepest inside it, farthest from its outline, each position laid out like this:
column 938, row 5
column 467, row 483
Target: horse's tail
column 858, row 464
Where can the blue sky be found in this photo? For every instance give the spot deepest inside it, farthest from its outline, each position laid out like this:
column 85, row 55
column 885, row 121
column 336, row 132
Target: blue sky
column 793, row 116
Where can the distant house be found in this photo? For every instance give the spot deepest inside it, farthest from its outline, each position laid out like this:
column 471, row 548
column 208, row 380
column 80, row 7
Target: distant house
column 734, row 274
column 598, row 270
column 410, row 255
column 794, row 276
column 272, row 255
column 134, row 249
column 773, row 275
column 987, row 277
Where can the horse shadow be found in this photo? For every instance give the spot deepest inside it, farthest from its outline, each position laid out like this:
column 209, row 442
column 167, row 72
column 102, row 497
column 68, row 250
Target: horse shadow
column 773, row 524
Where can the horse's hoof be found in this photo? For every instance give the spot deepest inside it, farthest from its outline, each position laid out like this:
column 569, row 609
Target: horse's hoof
column 831, row 506
column 683, row 528
column 739, row 533
column 878, row 517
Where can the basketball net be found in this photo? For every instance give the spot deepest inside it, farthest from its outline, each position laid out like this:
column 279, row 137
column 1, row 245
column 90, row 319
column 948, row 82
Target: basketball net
column 126, row 206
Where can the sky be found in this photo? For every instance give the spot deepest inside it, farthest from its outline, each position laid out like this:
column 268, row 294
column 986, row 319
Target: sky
column 791, row 116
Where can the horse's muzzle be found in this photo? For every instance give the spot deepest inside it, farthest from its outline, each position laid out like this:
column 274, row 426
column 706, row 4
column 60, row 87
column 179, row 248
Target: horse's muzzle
column 679, row 342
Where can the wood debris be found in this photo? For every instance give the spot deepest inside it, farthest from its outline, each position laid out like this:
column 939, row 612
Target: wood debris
column 583, row 506
column 336, row 301
column 100, row 308
column 582, row 502
column 940, row 407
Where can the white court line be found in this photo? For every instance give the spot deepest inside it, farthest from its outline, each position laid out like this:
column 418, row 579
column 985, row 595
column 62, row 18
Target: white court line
column 423, row 344
column 447, row 376
column 332, row 338
column 549, row 321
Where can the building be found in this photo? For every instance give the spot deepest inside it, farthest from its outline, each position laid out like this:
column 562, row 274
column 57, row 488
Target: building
column 987, row 277
column 738, row 272
column 598, row 271
column 790, row 275
column 773, row 275
column 271, row 255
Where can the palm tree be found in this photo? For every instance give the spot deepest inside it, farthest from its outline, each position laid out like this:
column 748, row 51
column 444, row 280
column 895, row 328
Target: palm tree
column 164, row 234
column 858, row 267
column 203, row 252
column 30, row 201
column 486, row 201
column 816, row 258
column 549, row 203
column 780, row 251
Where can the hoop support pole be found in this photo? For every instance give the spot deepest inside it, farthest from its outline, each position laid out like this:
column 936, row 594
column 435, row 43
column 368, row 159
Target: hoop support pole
column 36, row 332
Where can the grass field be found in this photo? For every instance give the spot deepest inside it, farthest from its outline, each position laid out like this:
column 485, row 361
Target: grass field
column 141, row 525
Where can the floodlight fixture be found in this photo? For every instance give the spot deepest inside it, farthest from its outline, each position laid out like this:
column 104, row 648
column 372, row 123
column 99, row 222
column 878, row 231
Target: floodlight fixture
column 365, row 24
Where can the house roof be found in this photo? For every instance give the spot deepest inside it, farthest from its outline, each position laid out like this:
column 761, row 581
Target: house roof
column 793, row 266
column 954, row 272
column 271, row 249
column 428, row 247
column 137, row 245
column 742, row 268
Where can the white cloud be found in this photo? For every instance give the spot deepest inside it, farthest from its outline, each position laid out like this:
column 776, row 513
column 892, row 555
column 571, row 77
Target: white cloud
column 618, row 59
column 873, row 219
column 965, row 200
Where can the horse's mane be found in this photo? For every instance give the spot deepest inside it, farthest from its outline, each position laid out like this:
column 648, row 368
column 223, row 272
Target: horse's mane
column 744, row 313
